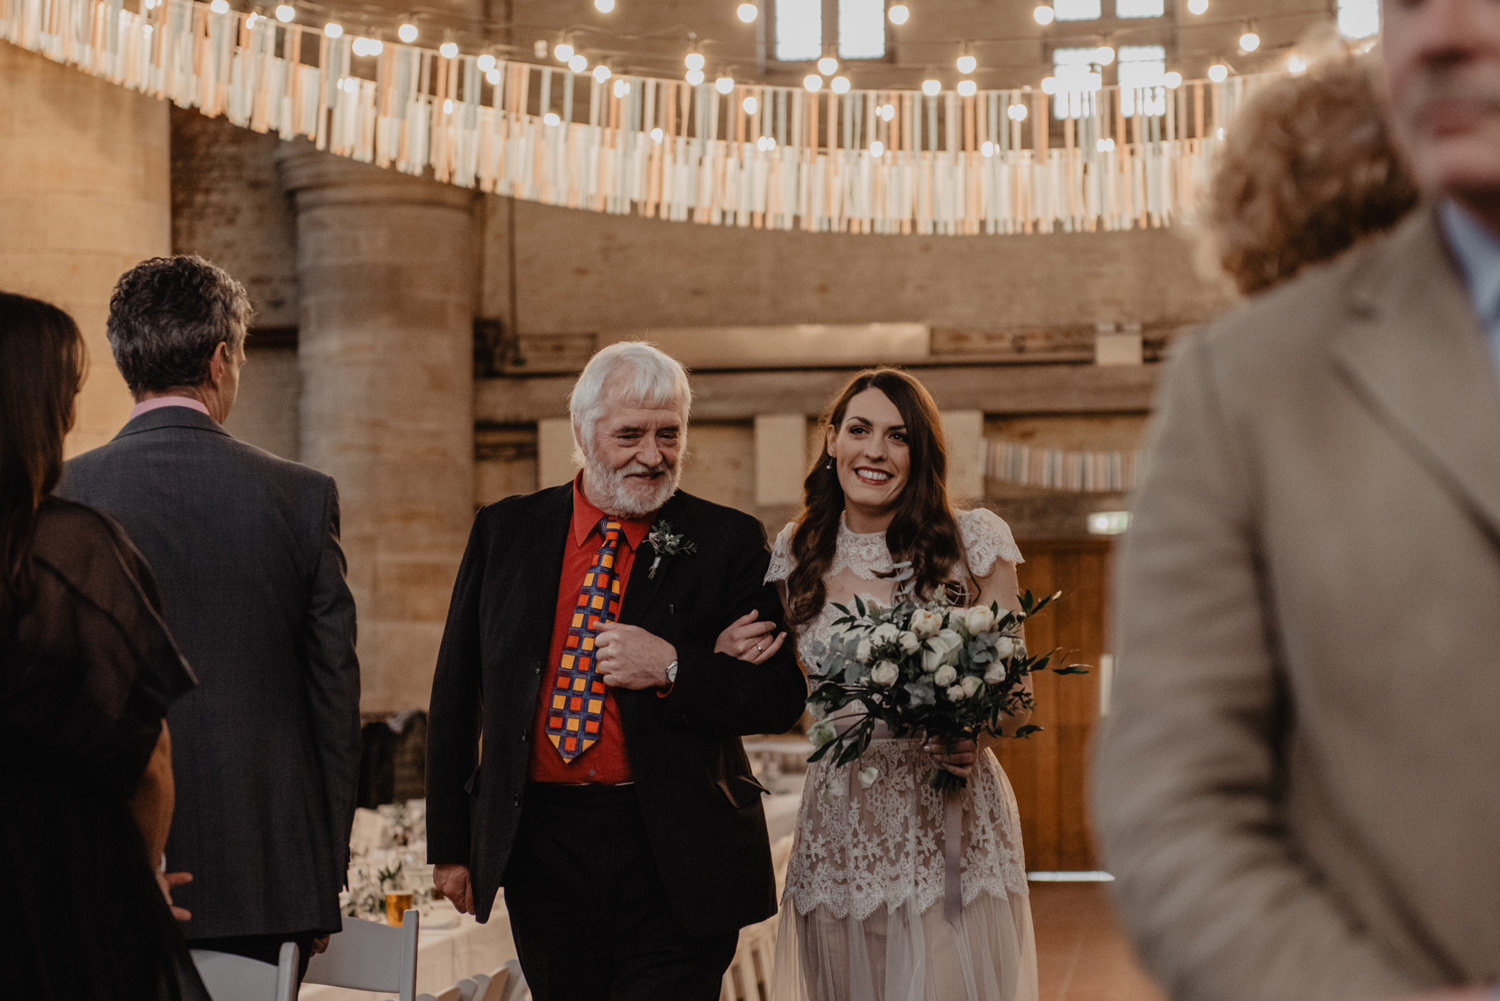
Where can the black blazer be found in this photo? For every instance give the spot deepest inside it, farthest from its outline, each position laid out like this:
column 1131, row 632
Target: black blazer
column 265, row 751
column 700, row 802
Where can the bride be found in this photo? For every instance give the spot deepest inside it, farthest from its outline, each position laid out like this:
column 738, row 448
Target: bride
column 863, row 914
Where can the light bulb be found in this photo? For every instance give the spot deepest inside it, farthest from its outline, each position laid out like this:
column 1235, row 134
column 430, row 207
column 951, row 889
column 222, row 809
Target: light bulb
column 899, row 13
column 1049, row 85
column 887, row 112
column 694, row 60
column 967, row 88
column 748, row 12
column 602, row 73
column 1296, row 64
column 551, row 118
column 967, row 63
column 349, row 85
column 539, row 48
column 813, row 83
column 448, row 50
column 252, row 21
column 407, row 33
column 840, row 84
column 1172, row 79
column 485, row 62
column 828, row 66
column 219, row 6
column 579, row 63
column 376, row 46
column 724, row 84
column 285, row 12
column 1106, row 145
column 448, row 106
column 1197, row 7
column 932, row 88
column 1105, row 54
column 622, row 87
column 750, row 105
column 493, row 76
column 694, row 77
column 604, row 6
column 333, row 29
column 1249, row 41
column 657, row 135
column 1218, row 72
column 1016, row 112
column 1044, row 14
column 877, row 149
column 987, row 149
column 562, row 52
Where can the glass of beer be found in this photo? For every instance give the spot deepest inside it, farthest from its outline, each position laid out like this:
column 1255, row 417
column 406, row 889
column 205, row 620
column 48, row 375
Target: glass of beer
column 396, row 905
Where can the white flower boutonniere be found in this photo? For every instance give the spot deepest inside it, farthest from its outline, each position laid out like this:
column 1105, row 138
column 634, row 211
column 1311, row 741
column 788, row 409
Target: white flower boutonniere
column 665, row 542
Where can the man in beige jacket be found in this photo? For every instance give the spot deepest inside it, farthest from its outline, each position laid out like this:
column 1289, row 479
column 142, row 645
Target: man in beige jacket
column 1298, row 785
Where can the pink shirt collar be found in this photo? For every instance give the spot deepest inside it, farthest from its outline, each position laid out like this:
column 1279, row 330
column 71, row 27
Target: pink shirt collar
column 156, row 403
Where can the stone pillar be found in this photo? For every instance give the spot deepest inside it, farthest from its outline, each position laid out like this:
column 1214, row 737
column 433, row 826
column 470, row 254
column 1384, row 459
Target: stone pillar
column 964, row 430
column 85, row 194
column 386, row 274
column 780, row 459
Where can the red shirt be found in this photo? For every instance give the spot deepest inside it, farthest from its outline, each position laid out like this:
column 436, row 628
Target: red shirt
column 605, row 762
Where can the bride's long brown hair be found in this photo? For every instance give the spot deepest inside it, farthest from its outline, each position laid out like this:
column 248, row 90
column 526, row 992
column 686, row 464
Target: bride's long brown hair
column 923, row 529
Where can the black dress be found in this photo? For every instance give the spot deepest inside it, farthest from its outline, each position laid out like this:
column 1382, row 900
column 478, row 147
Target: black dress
column 86, row 675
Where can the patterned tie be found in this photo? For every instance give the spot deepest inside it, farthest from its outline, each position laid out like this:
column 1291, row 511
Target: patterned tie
column 577, row 709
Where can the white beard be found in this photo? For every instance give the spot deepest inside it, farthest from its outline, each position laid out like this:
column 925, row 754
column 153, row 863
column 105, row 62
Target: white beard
column 614, row 497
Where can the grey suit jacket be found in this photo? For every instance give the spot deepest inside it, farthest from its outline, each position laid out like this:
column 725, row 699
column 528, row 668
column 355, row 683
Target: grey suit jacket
column 1298, row 784
column 265, row 752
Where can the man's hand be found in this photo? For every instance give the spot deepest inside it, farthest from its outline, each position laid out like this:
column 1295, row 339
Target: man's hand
column 320, row 944
column 166, row 881
column 452, row 881
column 630, row 657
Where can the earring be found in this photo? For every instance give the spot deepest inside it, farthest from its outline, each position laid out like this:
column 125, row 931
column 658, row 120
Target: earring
column 828, row 464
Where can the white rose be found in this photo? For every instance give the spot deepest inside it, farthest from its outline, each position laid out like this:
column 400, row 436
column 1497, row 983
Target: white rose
column 955, row 618
column 867, row 776
column 862, row 652
column 885, row 673
column 956, row 693
column 970, row 684
column 941, row 649
column 996, row 673
column 925, row 623
column 979, row 619
column 908, row 642
column 822, row 733
column 885, row 633
column 946, row 675
column 1005, row 647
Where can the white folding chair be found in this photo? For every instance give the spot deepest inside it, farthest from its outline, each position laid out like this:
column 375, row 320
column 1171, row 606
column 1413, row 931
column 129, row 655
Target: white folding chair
column 368, row 956
column 235, row 978
column 453, row 993
column 470, row 988
column 512, row 984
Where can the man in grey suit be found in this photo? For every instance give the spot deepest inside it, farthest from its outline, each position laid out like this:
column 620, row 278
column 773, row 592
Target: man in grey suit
column 245, row 548
column 1298, row 785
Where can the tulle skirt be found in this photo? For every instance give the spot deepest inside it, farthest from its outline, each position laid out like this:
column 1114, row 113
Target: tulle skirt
column 863, row 915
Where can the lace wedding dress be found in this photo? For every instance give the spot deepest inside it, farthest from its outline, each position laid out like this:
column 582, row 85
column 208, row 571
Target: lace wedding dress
column 863, row 916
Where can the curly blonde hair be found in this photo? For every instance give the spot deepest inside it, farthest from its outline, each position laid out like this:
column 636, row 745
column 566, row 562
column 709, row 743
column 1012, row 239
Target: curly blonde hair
column 1308, row 170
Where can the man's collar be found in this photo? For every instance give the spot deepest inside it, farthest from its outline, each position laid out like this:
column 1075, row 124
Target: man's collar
column 1477, row 251
column 157, row 402
column 586, row 518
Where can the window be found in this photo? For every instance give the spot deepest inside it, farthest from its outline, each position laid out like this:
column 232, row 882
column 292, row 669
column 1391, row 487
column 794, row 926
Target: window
column 857, row 32
column 1140, row 8
column 1077, row 74
column 1077, row 10
column 1143, row 71
column 1359, row 18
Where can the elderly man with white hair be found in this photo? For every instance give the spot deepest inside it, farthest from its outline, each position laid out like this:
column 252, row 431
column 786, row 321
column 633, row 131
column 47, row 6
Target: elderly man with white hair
column 584, row 744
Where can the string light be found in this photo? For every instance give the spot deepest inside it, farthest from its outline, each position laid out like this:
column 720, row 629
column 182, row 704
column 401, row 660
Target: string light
column 724, row 85
column 551, row 118
column 877, row 149
column 967, row 63
column 562, row 51
column 252, row 21
column 622, row 87
column 448, row 106
column 1197, row 7
column 694, row 60
column 1049, row 85
column 485, row 62
column 1105, row 54
column 886, row 112
column 1105, row 145
column 539, row 48
column 285, row 12
column 813, row 83
column 1218, row 72
column 657, row 135
column 448, row 50
column 750, row 105
column 899, row 13
column 840, row 85
column 1044, row 14
column 219, row 6
column 579, row 63
column 1296, row 65
column 1173, row 79
column 368, row 46
column 932, row 88
column 1016, row 112
column 987, row 149
column 1249, row 39
column 828, row 66
column 407, row 33
column 604, row 6
column 765, row 144
column 602, row 73
column 694, row 77
column 748, row 12
column 967, row 88
column 493, row 76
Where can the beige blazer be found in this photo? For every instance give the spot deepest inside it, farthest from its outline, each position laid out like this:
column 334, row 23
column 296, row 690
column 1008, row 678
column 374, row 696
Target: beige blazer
column 1298, row 783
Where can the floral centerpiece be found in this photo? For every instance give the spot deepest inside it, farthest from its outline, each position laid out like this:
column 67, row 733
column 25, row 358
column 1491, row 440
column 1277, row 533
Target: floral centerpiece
column 922, row 668
column 387, row 858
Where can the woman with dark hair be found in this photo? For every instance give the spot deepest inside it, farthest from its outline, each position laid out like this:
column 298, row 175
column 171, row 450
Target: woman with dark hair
column 865, row 882
column 87, row 670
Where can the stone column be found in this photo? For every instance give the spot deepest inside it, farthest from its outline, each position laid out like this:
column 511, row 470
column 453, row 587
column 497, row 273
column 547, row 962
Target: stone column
column 85, row 194
column 386, row 272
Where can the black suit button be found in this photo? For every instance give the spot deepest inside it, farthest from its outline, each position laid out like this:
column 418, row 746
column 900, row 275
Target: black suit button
column 523, row 736
column 518, row 800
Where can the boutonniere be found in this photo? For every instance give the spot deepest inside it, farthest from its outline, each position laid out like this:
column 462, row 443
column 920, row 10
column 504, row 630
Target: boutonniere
column 665, row 542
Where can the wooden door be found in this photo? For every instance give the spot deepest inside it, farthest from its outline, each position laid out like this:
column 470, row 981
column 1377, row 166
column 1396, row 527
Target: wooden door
column 1049, row 770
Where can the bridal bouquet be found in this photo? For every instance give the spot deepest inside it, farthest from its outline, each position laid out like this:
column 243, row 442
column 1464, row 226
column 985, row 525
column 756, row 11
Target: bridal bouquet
column 949, row 673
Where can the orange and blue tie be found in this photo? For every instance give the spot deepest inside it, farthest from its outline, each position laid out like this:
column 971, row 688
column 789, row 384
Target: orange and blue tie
column 577, row 709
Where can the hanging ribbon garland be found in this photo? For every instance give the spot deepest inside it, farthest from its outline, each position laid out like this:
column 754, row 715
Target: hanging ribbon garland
column 885, row 162
column 1060, row 469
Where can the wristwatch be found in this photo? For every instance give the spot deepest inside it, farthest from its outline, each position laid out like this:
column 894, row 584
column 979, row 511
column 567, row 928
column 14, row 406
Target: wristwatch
column 672, row 673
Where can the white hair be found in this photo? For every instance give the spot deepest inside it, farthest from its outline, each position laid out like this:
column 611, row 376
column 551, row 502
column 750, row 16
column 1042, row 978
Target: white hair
column 654, row 379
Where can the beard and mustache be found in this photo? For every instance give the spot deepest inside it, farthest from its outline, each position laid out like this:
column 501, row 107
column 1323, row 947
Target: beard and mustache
column 617, row 495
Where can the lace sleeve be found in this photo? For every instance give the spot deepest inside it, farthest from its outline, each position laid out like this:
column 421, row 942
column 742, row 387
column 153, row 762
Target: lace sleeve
column 781, row 555
column 986, row 538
